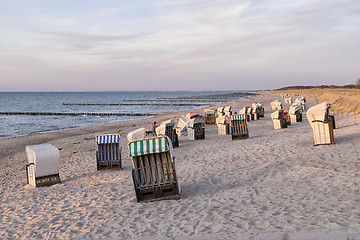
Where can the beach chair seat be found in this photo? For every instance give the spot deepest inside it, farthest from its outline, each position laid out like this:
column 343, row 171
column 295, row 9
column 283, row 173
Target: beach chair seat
column 239, row 127
column 195, row 129
column 321, row 123
column 108, row 154
column 43, row 165
column 154, row 170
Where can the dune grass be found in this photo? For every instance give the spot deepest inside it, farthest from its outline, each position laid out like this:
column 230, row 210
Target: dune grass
column 342, row 100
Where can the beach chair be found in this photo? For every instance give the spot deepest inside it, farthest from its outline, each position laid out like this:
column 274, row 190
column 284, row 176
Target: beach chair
column 248, row 112
column 167, row 129
column 318, row 117
column 43, row 165
column 278, row 119
column 276, row 105
column 108, row 154
column 295, row 113
column 210, row 116
column 301, row 102
column 223, row 125
column 180, row 127
column 287, row 100
column 259, row 109
column 154, row 171
column 227, row 111
column 239, row 127
column 195, row 129
column 286, row 116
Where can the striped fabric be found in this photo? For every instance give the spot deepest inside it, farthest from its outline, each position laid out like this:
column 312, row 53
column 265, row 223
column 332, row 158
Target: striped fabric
column 238, row 117
column 148, row 146
column 108, row 139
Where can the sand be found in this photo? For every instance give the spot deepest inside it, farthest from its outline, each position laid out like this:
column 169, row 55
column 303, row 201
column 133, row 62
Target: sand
column 274, row 185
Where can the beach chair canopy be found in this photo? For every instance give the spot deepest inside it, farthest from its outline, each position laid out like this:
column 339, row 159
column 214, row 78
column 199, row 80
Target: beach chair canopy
column 108, row 139
column 257, row 105
column 160, row 130
column 181, row 123
column 192, row 122
column 45, row 157
column 192, row 115
column 149, row 146
column 220, row 109
column 210, row 112
column 227, row 109
column 294, row 108
column 318, row 112
column 138, row 134
column 277, row 114
column 238, row 117
column 221, row 119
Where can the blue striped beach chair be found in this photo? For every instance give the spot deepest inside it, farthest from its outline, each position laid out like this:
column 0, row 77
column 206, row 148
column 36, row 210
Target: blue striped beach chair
column 239, row 127
column 108, row 155
column 154, row 173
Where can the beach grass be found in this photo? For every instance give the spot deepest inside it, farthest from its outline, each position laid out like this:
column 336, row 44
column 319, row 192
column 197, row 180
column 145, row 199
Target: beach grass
column 342, row 100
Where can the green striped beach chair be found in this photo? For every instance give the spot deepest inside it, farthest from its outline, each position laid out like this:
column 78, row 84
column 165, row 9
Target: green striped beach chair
column 108, row 155
column 154, row 173
column 239, row 127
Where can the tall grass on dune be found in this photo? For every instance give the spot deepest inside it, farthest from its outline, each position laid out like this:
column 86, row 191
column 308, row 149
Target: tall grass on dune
column 341, row 100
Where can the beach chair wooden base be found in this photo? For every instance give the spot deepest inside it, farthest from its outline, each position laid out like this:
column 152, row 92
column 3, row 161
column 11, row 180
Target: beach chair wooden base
column 223, row 129
column 43, row 181
column 277, row 124
column 196, row 133
column 323, row 133
column 154, row 177
column 239, row 136
column 165, row 192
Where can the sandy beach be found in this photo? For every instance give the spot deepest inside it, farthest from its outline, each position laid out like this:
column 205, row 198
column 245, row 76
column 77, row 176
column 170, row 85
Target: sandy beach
column 273, row 185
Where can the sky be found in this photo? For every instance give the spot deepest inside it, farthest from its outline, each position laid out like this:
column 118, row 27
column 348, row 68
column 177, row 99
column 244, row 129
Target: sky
column 170, row 45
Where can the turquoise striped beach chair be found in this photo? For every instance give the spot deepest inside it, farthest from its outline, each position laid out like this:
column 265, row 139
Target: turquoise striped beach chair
column 239, row 127
column 108, row 155
column 154, row 173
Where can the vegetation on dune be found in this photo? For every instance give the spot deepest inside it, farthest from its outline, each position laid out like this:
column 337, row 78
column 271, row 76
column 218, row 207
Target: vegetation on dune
column 342, row 100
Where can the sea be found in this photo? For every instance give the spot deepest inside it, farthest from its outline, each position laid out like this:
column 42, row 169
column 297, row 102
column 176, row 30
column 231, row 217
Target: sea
column 22, row 113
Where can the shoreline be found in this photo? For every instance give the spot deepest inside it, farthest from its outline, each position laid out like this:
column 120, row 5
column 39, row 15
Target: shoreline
column 273, row 185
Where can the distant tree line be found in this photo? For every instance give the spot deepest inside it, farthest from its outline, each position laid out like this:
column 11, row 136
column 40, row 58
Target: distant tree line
column 356, row 85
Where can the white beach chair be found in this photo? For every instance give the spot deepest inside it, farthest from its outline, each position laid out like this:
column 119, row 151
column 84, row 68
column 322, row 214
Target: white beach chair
column 195, row 129
column 276, row 105
column 318, row 117
column 278, row 119
column 223, row 125
column 154, row 169
column 44, row 164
